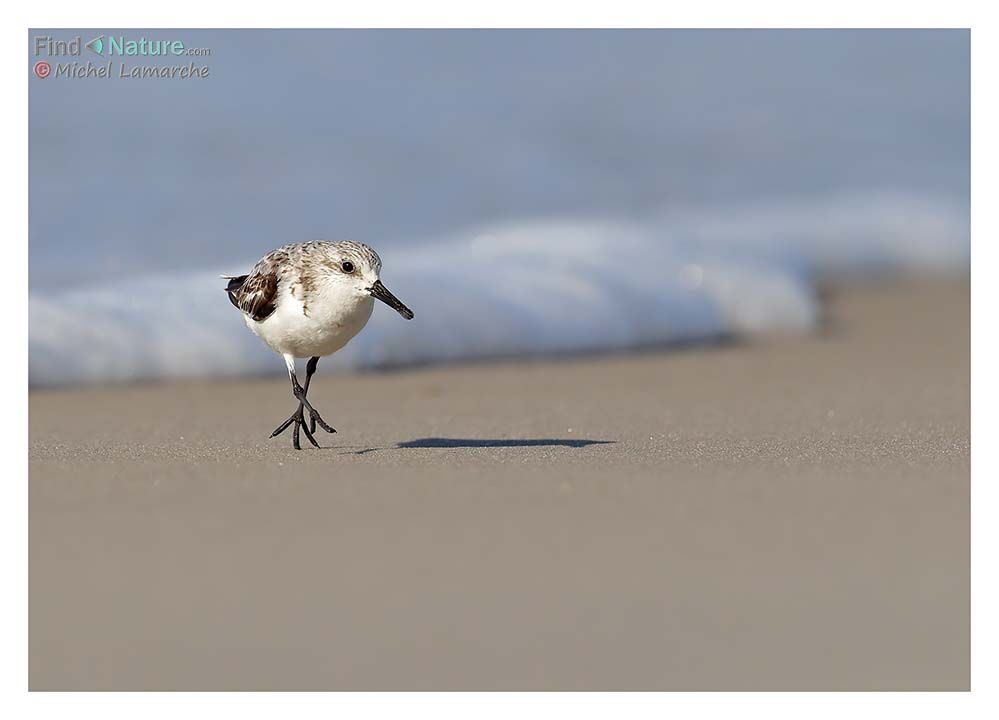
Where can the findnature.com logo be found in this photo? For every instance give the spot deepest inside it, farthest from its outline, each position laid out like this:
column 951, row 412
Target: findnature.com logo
column 116, row 46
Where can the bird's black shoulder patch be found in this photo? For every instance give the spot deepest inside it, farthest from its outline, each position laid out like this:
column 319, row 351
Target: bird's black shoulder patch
column 233, row 287
column 254, row 294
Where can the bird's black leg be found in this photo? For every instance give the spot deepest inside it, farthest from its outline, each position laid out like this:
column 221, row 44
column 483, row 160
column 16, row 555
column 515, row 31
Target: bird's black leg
column 298, row 417
column 314, row 416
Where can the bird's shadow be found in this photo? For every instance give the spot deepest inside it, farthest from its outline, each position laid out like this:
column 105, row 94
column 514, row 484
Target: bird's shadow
column 450, row 443
column 439, row 442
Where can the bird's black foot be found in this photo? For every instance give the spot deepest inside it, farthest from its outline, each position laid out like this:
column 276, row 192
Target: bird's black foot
column 298, row 419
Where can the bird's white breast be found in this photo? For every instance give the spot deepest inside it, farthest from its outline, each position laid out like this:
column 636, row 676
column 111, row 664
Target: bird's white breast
column 316, row 325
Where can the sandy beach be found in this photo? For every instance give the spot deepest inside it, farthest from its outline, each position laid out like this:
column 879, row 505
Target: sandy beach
column 790, row 514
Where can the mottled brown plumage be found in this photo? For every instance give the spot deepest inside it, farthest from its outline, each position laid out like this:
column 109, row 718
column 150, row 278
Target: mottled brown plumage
column 294, row 266
column 254, row 294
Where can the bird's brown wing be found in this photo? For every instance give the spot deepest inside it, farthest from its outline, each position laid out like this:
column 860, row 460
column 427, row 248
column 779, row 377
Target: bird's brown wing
column 256, row 295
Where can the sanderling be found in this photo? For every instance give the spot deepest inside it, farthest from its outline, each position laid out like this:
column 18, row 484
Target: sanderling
column 307, row 300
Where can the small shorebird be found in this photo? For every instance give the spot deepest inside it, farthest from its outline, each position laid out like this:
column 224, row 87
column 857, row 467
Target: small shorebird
column 308, row 300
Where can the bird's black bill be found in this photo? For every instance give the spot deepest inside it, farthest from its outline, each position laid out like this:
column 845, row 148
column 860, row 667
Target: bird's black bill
column 381, row 292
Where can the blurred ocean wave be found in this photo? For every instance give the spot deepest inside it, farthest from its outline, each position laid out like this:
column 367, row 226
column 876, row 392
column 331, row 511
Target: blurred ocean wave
column 531, row 192
column 525, row 288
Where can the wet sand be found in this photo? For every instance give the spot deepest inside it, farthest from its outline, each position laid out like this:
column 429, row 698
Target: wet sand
column 785, row 515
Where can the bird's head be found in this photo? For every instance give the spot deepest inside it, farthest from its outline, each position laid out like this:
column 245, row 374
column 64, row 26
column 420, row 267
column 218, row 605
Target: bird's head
column 357, row 268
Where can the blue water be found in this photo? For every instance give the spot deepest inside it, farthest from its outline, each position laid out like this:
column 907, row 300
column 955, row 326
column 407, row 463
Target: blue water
column 529, row 192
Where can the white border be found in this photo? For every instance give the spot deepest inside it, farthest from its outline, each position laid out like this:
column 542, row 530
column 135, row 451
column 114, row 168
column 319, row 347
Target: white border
column 182, row 13
column 985, row 389
column 509, row 13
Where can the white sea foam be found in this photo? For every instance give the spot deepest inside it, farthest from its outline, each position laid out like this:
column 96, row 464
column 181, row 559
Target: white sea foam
column 524, row 288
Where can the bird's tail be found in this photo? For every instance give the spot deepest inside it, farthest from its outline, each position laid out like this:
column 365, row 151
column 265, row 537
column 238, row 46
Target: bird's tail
column 235, row 283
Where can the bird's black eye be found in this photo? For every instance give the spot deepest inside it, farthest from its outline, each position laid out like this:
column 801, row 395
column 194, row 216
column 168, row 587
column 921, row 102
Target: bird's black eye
column 347, row 267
